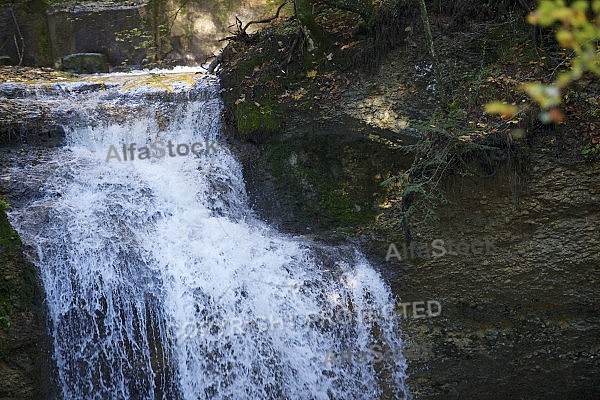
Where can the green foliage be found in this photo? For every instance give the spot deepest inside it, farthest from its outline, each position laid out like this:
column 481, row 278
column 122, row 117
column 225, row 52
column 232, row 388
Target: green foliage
column 4, row 205
column 576, row 32
column 443, row 151
column 591, row 151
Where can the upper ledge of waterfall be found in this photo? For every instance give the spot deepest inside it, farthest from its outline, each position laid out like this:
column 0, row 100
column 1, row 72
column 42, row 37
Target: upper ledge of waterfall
column 90, row 6
column 174, row 80
column 35, row 107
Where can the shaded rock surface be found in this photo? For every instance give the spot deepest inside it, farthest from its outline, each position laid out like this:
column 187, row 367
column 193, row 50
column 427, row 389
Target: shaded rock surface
column 520, row 322
column 85, row 63
column 24, row 33
column 25, row 347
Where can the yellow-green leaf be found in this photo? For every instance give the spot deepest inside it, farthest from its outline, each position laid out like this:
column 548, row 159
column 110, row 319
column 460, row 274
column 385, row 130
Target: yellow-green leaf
column 497, row 107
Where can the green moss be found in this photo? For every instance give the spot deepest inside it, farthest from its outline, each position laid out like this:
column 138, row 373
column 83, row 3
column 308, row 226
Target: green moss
column 326, row 201
column 507, row 42
column 247, row 66
column 253, row 120
column 9, row 240
column 277, row 155
column 340, row 208
column 20, row 289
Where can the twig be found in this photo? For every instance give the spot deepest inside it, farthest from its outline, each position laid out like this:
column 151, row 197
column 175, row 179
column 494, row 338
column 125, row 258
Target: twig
column 21, row 51
column 183, row 4
column 564, row 60
column 214, row 64
column 241, row 30
column 297, row 41
column 264, row 21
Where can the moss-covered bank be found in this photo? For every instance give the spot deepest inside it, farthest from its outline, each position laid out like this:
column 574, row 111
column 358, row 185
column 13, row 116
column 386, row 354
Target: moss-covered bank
column 25, row 361
column 325, row 172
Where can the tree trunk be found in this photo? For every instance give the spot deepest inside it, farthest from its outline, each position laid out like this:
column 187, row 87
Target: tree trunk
column 313, row 32
column 435, row 61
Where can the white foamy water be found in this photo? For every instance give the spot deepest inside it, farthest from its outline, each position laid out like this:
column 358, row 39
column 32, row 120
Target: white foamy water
column 161, row 284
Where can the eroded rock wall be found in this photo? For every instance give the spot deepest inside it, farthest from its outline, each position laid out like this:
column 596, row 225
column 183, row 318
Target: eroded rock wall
column 25, row 346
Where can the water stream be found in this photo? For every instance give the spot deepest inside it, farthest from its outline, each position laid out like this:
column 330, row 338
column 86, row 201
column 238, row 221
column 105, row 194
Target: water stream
column 161, row 284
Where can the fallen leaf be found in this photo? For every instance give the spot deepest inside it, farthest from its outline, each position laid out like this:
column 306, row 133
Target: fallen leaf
column 241, row 99
column 298, row 94
column 347, row 46
column 497, row 107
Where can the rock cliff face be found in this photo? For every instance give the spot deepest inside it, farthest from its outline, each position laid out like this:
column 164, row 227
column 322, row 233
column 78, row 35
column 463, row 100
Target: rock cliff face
column 25, row 348
column 519, row 320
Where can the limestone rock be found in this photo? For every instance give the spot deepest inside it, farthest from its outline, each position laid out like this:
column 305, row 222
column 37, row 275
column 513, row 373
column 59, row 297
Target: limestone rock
column 6, row 60
column 85, row 63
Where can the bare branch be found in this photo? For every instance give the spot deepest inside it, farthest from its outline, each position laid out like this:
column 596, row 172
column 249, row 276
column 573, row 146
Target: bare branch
column 21, row 51
column 264, row 21
column 241, row 29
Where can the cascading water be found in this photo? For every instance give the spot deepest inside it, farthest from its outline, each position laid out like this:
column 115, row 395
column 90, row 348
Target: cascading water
column 161, row 284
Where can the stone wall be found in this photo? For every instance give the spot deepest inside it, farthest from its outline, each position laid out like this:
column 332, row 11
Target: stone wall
column 94, row 30
column 189, row 34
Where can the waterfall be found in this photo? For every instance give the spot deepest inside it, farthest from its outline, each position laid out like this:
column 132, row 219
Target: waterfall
column 161, row 283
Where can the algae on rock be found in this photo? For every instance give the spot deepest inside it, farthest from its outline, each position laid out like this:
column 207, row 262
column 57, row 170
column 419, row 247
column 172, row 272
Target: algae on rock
column 25, row 362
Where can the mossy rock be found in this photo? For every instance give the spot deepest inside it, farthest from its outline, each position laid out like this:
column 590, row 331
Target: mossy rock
column 85, row 63
column 323, row 175
column 25, row 346
column 256, row 122
column 6, row 60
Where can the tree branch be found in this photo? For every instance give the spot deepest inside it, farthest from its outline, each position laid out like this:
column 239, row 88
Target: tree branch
column 267, row 20
column 21, row 51
column 241, row 31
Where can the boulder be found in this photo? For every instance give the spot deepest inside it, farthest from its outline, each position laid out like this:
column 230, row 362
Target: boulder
column 6, row 60
column 85, row 63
